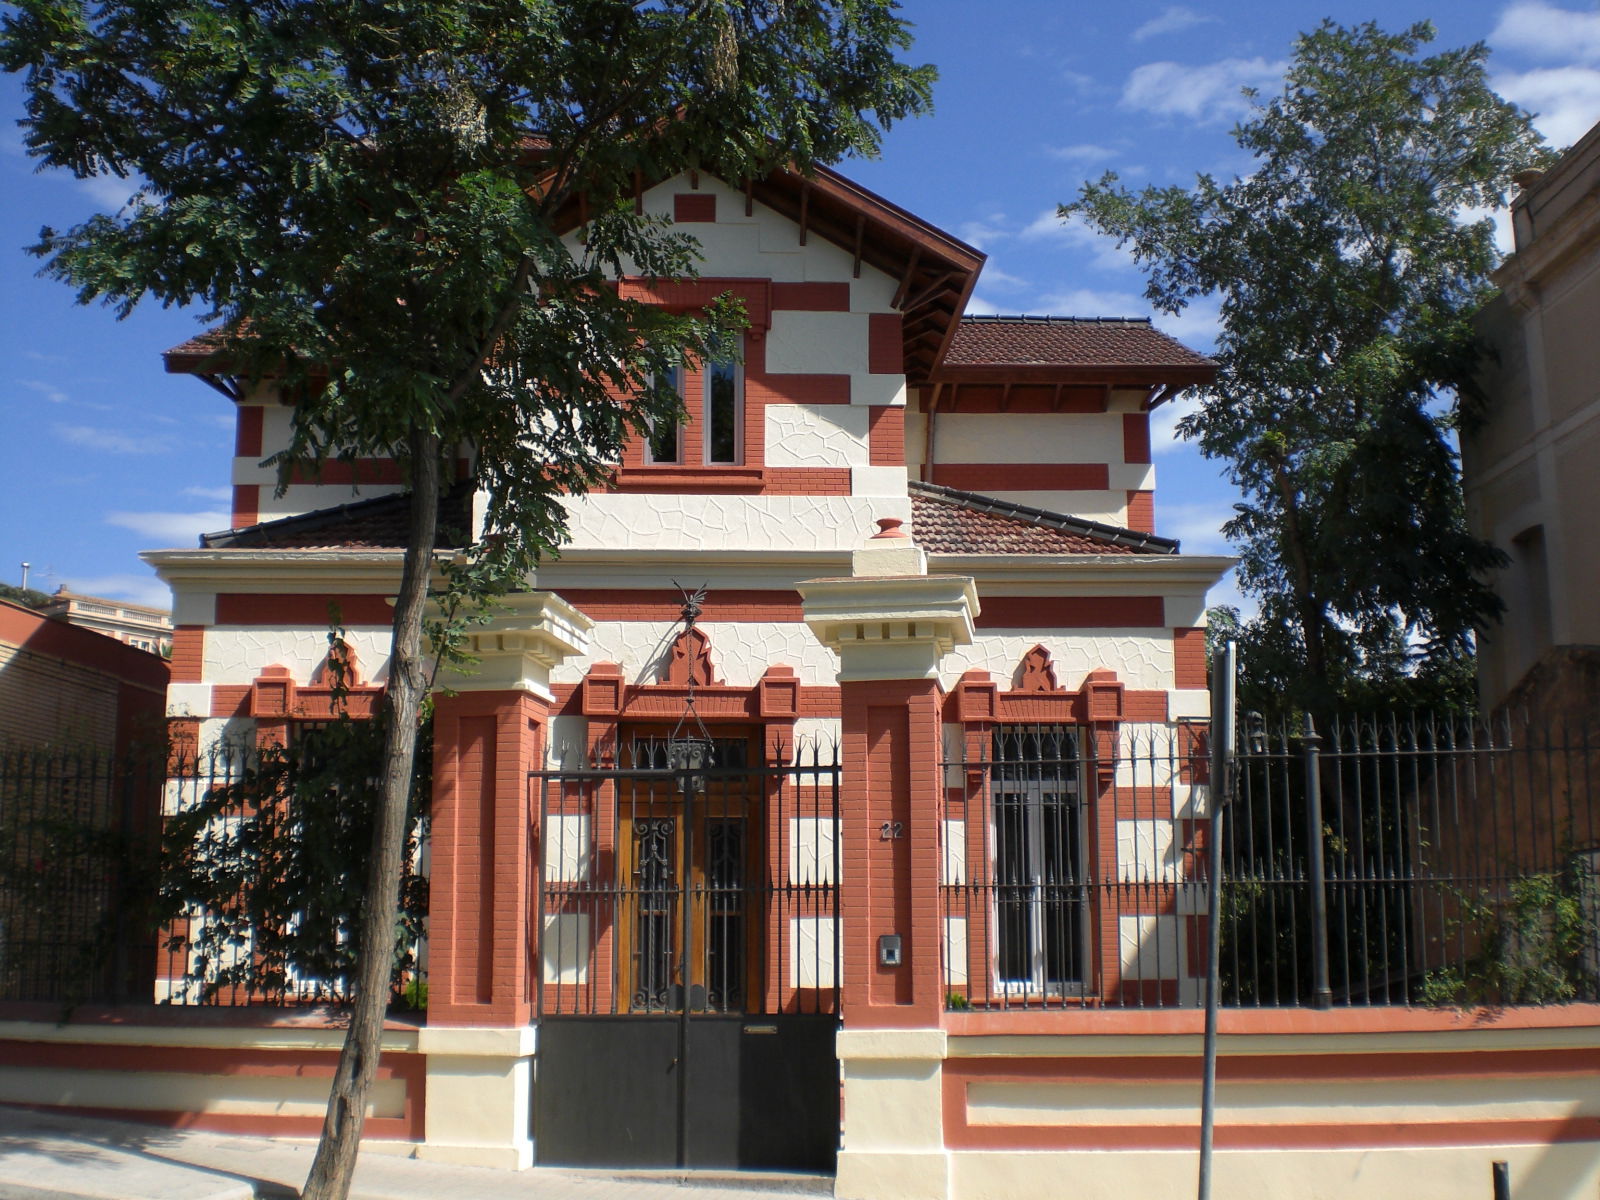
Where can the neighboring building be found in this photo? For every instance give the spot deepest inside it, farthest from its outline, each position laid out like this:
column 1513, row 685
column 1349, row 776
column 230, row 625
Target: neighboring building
column 70, row 689
column 136, row 625
column 1530, row 470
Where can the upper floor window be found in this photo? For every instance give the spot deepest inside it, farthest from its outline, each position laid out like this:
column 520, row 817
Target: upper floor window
column 723, row 415
column 665, row 444
column 712, row 433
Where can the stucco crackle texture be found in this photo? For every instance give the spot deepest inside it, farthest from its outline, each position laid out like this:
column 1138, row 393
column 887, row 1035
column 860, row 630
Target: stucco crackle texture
column 691, row 522
column 237, row 656
column 741, row 652
column 832, row 435
column 1141, row 661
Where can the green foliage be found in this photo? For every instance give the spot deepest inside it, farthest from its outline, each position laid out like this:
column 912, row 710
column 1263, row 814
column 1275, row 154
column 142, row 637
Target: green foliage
column 1536, row 942
column 264, row 879
column 27, row 597
column 1348, row 270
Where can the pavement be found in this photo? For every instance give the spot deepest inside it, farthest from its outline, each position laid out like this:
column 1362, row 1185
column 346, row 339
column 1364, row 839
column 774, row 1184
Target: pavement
column 54, row 1156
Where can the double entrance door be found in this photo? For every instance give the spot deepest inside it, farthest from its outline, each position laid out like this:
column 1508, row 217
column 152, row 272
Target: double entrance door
column 686, row 1016
column 687, row 856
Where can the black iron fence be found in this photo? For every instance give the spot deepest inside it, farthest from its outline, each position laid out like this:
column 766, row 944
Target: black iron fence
column 1457, row 865
column 77, row 878
column 230, row 878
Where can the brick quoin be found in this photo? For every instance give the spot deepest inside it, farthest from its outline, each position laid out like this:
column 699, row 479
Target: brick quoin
column 246, row 505
column 1032, row 477
column 1142, row 511
column 886, row 435
column 1136, row 437
column 799, row 389
column 1189, row 658
column 885, row 344
column 188, row 653
column 247, row 434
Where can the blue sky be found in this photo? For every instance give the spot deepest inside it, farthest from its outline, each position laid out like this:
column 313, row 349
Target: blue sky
column 106, row 455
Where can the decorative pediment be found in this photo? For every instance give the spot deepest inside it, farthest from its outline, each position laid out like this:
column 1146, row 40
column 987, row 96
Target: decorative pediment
column 340, row 666
column 689, row 660
column 1036, row 672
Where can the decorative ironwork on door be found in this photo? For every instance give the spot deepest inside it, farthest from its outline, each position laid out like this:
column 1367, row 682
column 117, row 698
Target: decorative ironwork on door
column 707, row 890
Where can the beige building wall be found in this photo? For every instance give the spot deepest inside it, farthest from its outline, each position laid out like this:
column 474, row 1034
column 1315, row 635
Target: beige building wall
column 1532, row 485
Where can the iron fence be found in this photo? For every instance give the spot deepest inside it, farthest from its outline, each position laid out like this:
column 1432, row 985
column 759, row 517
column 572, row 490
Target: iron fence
column 1457, row 865
column 77, row 830
column 232, row 877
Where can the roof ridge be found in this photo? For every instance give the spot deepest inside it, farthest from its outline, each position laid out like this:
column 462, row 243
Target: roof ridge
column 318, row 517
column 1048, row 318
column 1115, row 534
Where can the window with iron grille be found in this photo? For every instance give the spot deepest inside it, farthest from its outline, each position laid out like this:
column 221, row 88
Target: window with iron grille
column 1040, row 879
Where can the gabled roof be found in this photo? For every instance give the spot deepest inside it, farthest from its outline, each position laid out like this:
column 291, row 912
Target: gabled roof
column 935, row 270
column 376, row 524
column 947, row 521
column 1071, row 349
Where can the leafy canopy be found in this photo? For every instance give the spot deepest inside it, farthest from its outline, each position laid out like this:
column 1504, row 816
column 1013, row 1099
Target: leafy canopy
column 1348, row 264
column 372, row 196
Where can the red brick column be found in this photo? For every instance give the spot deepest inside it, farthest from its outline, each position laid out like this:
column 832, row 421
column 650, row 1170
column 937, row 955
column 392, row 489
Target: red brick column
column 889, row 804
column 481, row 869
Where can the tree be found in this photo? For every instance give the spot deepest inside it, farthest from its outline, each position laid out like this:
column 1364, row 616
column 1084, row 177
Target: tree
column 1349, row 267
column 371, row 197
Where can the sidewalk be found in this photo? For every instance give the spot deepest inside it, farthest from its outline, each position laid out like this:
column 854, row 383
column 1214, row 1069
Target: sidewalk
column 48, row 1156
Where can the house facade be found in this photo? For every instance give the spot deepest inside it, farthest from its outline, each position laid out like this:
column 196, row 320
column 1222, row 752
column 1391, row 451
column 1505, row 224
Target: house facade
column 835, row 797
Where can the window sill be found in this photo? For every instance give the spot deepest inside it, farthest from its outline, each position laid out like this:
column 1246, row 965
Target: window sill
column 678, row 477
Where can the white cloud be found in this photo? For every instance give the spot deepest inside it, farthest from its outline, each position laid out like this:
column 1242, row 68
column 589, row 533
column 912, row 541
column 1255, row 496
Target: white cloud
column 108, row 191
column 1085, row 152
column 48, row 390
column 138, row 589
column 112, row 441
column 1226, row 591
column 1197, row 526
column 1544, row 31
column 1208, row 94
column 1090, row 302
column 980, row 307
column 1565, row 100
column 1502, row 224
column 170, row 528
column 1073, row 232
column 1173, row 19
column 220, row 494
column 993, row 276
column 985, row 231
column 1164, row 420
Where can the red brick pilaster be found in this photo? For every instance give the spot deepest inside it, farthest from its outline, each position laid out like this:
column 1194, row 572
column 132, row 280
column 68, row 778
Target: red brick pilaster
column 481, row 952
column 890, row 811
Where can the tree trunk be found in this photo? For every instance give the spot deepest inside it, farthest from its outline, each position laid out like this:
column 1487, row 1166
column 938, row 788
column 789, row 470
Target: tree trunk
column 335, row 1163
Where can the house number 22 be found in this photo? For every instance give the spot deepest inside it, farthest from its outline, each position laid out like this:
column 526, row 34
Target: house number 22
column 891, row 830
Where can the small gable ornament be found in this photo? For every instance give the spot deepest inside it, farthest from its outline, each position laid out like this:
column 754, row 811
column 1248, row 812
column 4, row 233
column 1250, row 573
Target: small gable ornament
column 1037, row 673
column 689, row 661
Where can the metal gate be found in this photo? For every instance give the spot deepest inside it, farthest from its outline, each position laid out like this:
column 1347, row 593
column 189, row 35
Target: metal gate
column 688, row 957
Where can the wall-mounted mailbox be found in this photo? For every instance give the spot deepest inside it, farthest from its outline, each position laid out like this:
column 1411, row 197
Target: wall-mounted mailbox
column 889, row 950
